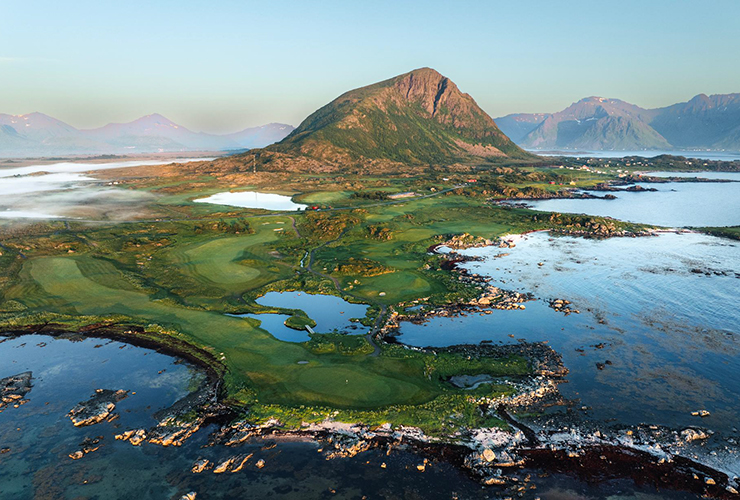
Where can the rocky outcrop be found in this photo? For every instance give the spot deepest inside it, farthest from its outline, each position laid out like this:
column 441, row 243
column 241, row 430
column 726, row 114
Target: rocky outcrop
column 96, row 409
column 466, row 240
column 232, row 464
column 563, row 306
column 13, row 390
column 201, row 465
column 181, row 420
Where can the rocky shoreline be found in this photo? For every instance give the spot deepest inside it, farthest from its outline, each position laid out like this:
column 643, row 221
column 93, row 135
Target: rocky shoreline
column 628, row 183
column 675, row 459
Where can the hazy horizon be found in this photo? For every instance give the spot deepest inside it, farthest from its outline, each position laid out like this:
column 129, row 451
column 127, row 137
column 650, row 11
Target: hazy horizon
column 225, row 67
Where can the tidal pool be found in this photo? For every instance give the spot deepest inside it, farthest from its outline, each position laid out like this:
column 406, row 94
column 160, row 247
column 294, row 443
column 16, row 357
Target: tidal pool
column 662, row 310
column 37, row 438
column 253, row 199
column 675, row 204
column 331, row 314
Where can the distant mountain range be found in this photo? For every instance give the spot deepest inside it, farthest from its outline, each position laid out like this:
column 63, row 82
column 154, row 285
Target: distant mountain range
column 39, row 135
column 596, row 123
column 420, row 117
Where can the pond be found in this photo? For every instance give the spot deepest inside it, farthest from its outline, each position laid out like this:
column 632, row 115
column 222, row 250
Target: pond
column 331, row 314
column 253, row 199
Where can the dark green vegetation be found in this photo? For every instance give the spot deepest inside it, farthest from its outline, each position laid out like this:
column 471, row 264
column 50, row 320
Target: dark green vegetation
column 732, row 232
column 176, row 280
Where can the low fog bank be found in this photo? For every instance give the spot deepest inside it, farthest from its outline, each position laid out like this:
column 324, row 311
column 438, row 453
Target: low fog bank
column 69, row 191
column 65, row 195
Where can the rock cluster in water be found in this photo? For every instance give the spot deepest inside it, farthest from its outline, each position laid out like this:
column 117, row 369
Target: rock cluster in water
column 96, row 409
column 13, row 390
column 88, row 445
column 563, row 306
column 180, row 421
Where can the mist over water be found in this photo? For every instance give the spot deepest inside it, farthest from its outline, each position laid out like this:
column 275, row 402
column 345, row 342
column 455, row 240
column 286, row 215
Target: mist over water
column 61, row 190
column 72, row 167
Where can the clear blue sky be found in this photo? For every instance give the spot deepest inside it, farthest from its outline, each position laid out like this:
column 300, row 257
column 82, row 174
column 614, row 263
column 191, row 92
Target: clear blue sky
column 219, row 66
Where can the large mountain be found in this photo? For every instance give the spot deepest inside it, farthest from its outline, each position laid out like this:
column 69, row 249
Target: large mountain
column 596, row 123
column 419, row 117
column 703, row 122
column 36, row 134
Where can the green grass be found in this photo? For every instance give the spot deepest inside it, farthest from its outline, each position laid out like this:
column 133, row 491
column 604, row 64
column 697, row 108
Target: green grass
column 177, row 279
column 270, row 364
column 732, row 232
column 299, row 322
column 322, row 343
column 324, row 197
column 258, row 364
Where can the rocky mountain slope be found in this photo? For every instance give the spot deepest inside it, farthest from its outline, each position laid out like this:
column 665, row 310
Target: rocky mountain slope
column 517, row 126
column 419, row 117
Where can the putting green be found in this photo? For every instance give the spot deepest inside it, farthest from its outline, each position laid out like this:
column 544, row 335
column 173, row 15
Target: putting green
column 214, row 261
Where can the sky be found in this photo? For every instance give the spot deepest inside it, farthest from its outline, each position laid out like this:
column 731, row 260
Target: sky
column 223, row 65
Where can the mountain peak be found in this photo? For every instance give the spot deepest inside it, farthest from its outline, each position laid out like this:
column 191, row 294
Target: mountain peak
column 419, row 117
column 699, row 97
column 426, row 85
column 155, row 118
